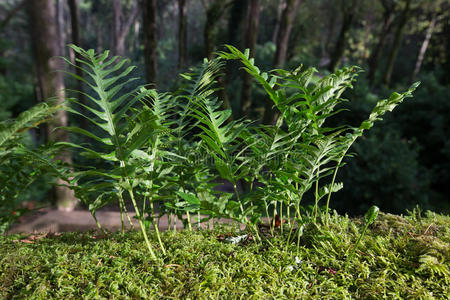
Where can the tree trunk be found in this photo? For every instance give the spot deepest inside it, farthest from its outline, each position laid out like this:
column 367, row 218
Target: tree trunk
column 347, row 22
column 424, row 47
column 251, row 36
column 182, row 33
column 287, row 21
column 150, row 40
column 122, row 28
column 236, row 23
column 281, row 6
column 213, row 14
column 45, row 44
column 396, row 43
column 74, row 21
column 119, row 46
column 60, row 32
column 374, row 58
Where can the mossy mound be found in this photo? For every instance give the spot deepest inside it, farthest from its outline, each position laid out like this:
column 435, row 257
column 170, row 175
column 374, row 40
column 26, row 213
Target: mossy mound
column 399, row 258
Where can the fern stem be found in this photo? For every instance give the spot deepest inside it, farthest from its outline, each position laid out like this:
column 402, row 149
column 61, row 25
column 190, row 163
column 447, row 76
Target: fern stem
column 189, row 220
column 141, row 223
column 98, row 224
column 316, row 196
column 121, row 213
column 334, row 176
column 236, row 192
column 156, row 226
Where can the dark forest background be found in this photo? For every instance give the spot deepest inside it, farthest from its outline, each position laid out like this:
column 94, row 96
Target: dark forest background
column 403, row 162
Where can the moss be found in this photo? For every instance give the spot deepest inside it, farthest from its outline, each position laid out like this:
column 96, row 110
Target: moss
column 400, row 257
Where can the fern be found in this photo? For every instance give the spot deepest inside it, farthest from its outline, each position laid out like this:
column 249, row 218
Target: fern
column 21, row 165
column 122, row 134
column 311, row 152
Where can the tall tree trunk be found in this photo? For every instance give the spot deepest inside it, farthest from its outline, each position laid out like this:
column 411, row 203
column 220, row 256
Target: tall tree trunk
column 119, row 47
column 149, row 9
column 236, row 23
column 396, row 43
column 287, row 21
column 45, row 44
column 99, row 36
column 424, row 47
column 281, row 6
column 122, row 28
column 213, row 14
column 388, row 17
column 74, row 22
column 251, row 35
column 182, row 33
column 347, row 22
column 60, row 32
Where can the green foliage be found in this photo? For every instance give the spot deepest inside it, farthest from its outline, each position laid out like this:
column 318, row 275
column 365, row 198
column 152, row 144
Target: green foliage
column 310, row 151
column 14, row 93
column 22, row 164
column 400, row 257
column 402, row 162
column 147, row 139
column 369, row 218
column 125, row 131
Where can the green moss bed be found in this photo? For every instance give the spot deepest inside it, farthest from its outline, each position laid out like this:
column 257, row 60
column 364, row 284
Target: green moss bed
column 399, row 258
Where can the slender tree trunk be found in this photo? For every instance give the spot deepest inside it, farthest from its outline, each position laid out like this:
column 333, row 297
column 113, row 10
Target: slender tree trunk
column 119, row 47
column 375, row 56
column 45, row 44
column 99, row 36
column 330, row 33
column 237, row 22
column 235, row 26
column 396, row 43
column 281, row 6
column 60, row 32
column 424, row 47
column 121, row 28
column 149, row 9
column 74, row 21
column 347, row 22
column 182, row 33
column 251, row 36
column 287, row 21
column 213, row 14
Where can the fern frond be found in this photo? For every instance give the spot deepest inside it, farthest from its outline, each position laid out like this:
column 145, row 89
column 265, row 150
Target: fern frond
column 26, row 120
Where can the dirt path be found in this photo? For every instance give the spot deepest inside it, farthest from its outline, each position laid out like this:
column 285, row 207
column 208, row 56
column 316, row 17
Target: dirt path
column 51, row 220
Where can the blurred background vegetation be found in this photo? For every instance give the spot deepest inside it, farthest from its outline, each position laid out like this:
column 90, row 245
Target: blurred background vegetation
column 403, row 162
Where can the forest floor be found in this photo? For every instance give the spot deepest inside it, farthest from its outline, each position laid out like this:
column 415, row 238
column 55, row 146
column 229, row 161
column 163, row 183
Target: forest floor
column 52, row 220
column 400, row 257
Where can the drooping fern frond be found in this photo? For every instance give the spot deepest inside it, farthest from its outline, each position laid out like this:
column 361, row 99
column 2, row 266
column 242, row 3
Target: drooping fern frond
column 28, row 119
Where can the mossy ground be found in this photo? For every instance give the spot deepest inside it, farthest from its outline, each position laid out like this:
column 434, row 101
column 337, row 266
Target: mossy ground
column 399, row 258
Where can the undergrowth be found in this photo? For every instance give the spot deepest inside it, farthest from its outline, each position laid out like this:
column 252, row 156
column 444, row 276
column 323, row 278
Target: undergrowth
column 399, row 258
